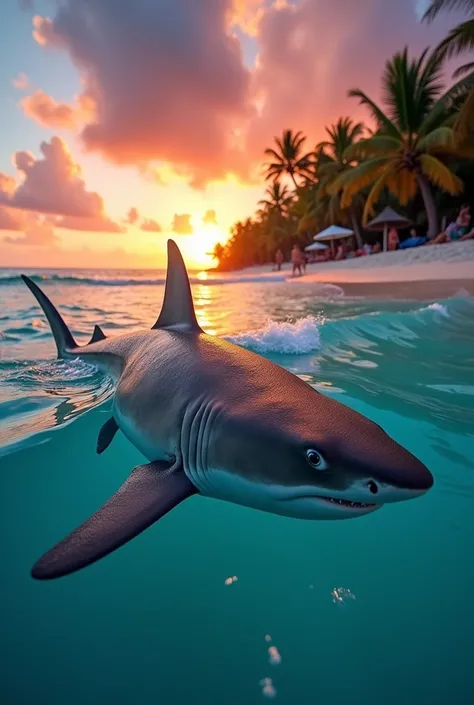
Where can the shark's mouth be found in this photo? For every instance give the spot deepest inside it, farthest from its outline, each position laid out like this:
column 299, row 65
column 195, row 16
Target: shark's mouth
column 348, row 503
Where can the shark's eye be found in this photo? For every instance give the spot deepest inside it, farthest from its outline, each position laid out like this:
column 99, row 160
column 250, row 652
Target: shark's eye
column 315, row 460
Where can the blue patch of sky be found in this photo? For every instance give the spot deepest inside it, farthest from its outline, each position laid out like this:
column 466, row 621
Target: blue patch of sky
column 46, row 69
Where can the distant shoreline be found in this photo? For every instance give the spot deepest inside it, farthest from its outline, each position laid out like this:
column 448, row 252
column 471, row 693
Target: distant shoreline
column 447, row 267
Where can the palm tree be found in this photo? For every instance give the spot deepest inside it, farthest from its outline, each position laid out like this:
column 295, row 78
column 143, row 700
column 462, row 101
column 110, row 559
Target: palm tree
column 461, row 37
column 459, row 40
column 288, row 158
column 277, row 198
column 332, row 163
column 218, row 252
column 413, row 141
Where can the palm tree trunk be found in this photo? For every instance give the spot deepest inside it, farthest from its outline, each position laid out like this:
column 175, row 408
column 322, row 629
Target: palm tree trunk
column 356, row 229
column 430, row 205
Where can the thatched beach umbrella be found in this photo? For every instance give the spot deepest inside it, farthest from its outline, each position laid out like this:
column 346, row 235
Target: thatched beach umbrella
column 334, row 232
column 388, row 218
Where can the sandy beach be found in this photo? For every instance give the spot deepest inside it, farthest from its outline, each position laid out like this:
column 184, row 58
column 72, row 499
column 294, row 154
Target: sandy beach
column 423, row 271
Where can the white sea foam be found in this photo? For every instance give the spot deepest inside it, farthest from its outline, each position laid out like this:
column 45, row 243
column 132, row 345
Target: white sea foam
column 439, row 308
column 285, row 338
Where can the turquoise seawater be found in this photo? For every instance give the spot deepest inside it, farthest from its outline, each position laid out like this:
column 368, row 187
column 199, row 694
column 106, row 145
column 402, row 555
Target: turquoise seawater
column 377, row 610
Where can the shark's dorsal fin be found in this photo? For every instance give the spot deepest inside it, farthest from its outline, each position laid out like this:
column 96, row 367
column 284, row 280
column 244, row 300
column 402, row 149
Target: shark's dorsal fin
column 177, row 312
column 97, row 335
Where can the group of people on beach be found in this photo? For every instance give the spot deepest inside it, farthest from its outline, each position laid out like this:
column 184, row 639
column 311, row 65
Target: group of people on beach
column 458, row 230
column 297, row 257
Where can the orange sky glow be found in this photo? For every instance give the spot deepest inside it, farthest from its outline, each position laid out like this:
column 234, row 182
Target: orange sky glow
column 108, row 148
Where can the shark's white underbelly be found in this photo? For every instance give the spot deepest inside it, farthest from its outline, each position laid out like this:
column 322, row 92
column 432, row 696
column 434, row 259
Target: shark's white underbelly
column 152, row 448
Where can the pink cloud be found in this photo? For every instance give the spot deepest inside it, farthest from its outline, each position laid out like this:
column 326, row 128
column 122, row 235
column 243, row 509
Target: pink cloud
column 12, row 219
column 150, row 226
column 52, row 184
column 132, row 216
column 166, row 81
column 209, row 217
column 312, row 53
column 40, row 235
column 167, row 78
column 247, row 14
column 99, row 224
column 182, row 224
column 7, row 187
column 45, row 110
column 21, row 81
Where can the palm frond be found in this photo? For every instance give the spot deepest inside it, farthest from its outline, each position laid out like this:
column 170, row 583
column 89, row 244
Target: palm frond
column 463, row 70
column 439, row 138
column 403, row 185
column 458, row 40
column 354, row 180
column 373, row 146
column 464, row 125
column 272, row 153
column 437, row 6
column 374, row 194
column 378, row 114
column 440, row 175
column 445, row 105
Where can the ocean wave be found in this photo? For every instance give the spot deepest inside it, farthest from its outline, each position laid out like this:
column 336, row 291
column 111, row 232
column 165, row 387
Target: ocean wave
column 362, row 330
column 286, row 338
column 45, row 279
column 418, row 359
column 37, row 396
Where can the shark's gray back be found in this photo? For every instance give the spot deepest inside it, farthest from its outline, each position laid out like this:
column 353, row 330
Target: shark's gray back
column 166, row 376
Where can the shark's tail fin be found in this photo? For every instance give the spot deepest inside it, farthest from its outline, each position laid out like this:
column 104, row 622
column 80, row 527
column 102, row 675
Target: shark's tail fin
column 62, row 334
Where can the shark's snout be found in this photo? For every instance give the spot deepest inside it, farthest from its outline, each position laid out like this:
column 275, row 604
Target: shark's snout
column 395, row 474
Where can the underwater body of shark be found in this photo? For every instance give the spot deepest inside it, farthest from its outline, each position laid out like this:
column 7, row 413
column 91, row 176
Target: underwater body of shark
column 218, row 420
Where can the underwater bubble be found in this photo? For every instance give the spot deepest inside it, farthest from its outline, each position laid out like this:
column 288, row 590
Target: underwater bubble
column 268, row 689
column 274, row 656
column 342, row 595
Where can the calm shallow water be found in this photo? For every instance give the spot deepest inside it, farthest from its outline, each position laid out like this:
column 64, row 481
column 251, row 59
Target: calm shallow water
column 374, row 610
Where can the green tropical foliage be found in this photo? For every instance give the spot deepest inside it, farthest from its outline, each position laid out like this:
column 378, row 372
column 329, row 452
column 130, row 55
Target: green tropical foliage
column 459, row 40
column 334, row 162
column 289, row 158
column 416, row 157
column 278, row 198
column 414, row 141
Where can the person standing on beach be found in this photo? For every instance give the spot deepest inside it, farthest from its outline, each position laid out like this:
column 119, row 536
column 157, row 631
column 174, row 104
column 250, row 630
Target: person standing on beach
column 393, row 239
column 303, row 261
column 279, row 259
column 296, row 257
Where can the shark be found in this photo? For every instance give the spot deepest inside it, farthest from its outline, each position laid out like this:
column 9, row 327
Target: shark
column 217, row 420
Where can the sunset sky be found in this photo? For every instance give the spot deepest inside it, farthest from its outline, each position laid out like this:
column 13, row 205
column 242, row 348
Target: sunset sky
column 124, row 122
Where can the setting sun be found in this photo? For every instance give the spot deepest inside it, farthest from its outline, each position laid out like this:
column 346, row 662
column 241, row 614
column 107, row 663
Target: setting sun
column 198, row 246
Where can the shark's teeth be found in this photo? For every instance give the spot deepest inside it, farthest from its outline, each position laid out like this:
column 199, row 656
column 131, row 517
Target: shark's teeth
column 346, row 503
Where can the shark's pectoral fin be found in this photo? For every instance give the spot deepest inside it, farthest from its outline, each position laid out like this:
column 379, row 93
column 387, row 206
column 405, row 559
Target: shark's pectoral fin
column 106, row 435
column 150, row 492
